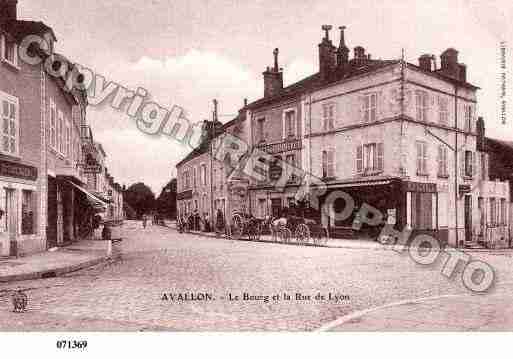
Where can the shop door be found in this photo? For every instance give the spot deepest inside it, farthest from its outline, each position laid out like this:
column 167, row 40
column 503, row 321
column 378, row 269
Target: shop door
column 11, row 217
column 51, row 228
column 468, row 218
column 276, row 207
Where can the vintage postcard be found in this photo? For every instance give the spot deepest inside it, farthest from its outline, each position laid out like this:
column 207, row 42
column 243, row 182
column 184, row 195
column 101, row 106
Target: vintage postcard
column 255, row 166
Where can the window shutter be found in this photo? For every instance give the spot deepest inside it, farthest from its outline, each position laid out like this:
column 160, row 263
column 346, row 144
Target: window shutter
column 474, row 164
column 440, row 160
column 419, row 157
column 380, row 156
column 364, row 114
column 331, row 163
column 359, row 159
column 462, row 163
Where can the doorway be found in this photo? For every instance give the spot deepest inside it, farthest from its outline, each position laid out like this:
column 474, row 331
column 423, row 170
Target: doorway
column 468, row 218
column 276, row 207
column 11, row 219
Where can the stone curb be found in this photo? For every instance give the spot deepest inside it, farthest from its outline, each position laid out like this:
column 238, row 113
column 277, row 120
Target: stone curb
column 54, row 272
column 373, row 248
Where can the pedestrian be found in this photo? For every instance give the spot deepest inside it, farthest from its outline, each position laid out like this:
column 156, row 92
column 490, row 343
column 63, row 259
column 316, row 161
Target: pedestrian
column 144, row 219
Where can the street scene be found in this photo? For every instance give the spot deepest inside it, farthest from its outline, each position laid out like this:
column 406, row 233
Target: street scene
column 211, row 167
column 127, row 295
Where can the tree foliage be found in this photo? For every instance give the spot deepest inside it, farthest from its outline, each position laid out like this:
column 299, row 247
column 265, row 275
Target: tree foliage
column 140, row 197
column 166, row 202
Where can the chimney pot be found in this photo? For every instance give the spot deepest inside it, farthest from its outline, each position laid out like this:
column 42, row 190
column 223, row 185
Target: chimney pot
column 425, row 62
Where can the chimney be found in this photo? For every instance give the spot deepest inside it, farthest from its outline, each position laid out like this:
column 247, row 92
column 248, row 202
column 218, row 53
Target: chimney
column 463, row 72
column 359, row 54
column 449, row 63
column 8, row 10
column 480, row 131
column 343, row 50
column 425, row 62
column 273, row 78
column 327, row 54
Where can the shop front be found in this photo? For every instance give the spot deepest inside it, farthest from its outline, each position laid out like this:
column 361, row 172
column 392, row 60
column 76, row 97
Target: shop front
column 19, row 198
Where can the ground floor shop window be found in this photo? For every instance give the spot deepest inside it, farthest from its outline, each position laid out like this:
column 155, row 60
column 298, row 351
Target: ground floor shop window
column 27, row 212
column 422, row 210
column 262, row 207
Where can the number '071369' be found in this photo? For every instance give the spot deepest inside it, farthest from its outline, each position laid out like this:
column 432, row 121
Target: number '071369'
column 72, row 344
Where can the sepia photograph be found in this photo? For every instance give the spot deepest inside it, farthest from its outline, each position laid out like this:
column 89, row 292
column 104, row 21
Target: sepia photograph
column 248, row 167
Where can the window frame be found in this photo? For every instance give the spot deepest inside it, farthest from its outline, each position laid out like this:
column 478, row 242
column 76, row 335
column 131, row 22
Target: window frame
column 328, row 163
column 14, row 63
column 422, row 158
column 367, row 107
column 422, row 111
column 11, row 101
column 286, row 135
column 443, row 170
column 443, row 110
column 329, row 110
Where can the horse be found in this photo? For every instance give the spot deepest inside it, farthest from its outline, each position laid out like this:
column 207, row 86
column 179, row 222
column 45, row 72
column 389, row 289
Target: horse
column 275, row 225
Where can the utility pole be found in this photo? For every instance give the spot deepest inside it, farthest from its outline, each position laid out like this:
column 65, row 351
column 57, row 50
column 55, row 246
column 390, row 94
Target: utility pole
column 210, row 140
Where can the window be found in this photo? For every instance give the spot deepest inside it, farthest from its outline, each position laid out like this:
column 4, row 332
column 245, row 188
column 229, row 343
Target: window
column 9, row 51
column 328, row 164
column 421, row 210
column 484, row 167
column 421, row 158
column 10, row 132
column 194, row 177
column 289, row 124
column 503, row 212
column 369, row 158
column 369, row 107
column 204, row 174
column 442, row 161
column 27, row 212
column 468, row 117
column 443, row 111
column 469, row 164
column 421, row 105
column 260, row 130
column 60, row 132
column 262, row 208
column 328, row 116
column 215, row 178
column 53, row 125
column 67, row 147
column 493, row 212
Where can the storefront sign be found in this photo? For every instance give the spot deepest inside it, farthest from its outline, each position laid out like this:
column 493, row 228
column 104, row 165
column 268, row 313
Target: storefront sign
column 17, row 170
column 392, row 216
column 419, row 187
column 184, row 195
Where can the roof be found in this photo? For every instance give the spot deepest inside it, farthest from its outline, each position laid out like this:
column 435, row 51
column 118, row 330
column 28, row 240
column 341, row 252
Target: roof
column 22, row 28
column 315, row 81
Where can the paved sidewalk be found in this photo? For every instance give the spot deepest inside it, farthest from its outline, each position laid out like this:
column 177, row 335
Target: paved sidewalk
column 485, row 312
column 77, row 256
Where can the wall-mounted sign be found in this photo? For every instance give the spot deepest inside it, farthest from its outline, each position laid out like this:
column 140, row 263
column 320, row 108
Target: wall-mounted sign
column 184, row 195
column 419, row 187
column 275, row 171
column 92, row 169
column 18, row 170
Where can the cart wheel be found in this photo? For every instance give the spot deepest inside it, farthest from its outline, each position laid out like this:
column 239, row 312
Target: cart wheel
column 302, row 233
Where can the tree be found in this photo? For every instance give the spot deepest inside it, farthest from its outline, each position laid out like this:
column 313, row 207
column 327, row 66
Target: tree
column 140, row 197
column 166, row 202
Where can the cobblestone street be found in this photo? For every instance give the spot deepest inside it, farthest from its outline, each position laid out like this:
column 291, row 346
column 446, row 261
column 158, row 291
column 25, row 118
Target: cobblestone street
column 128, row 294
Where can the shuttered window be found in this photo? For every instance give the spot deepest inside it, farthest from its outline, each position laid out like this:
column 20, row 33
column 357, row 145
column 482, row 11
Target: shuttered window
column 328, row 115
column 359, row 159
column 10, row 134
column 422, row 105
column 421, row 158
column 442, row 161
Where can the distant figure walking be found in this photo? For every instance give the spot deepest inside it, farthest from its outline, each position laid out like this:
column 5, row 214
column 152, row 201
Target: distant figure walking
column 144, row 220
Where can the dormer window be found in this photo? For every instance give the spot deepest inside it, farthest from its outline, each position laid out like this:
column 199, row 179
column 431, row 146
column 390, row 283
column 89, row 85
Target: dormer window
column 9, row 51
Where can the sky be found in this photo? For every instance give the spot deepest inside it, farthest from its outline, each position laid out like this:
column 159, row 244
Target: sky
column 188, row 52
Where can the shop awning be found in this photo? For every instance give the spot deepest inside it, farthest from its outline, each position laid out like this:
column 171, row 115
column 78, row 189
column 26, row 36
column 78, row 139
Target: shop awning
column 95, row 202
column 360, row 182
